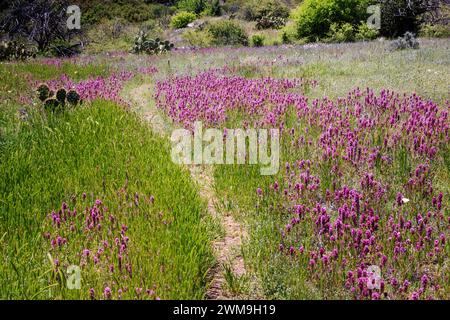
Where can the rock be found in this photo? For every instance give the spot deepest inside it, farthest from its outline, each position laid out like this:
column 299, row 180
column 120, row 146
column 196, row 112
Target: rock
column 197, row 24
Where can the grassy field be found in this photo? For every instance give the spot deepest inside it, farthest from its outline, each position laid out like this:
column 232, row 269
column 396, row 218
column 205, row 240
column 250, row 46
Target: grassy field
column 358, row 169
column 97, row 152
column 338, row 69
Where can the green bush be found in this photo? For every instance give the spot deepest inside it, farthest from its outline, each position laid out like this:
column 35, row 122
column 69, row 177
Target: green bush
column 182, row 19
column 267, row 13
column 341, row 33
column 198, row 38
column 132, row 11
column 227, row 33
column 258, row 40
column 216, row 8
column 435, row 31
column 257, row 9
column 314, row 17
column 195, row 6
column 270, row 22
column 365, row 32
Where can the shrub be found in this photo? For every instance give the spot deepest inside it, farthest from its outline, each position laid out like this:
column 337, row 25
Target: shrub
column 341, row 33
column 435, row 31
column 408, row 41
column 400, row 16
column 289, row 33
column 270, row 22
column 216, row 8
column 198, row 38
column 94, row 12
column 182, row 19
column 227, row 33
column 257, row 9
column 258, row 40
column 365, row 32
column 11, row 50
column 314, row 17
column 135, row 12
column 195, row 6
column 268, row 14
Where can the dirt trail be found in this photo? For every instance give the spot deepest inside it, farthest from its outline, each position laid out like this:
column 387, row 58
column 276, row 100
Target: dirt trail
column 227, row 249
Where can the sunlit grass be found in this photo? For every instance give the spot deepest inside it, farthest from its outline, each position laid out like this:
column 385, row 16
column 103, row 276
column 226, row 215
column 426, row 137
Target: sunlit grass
column 101, row 150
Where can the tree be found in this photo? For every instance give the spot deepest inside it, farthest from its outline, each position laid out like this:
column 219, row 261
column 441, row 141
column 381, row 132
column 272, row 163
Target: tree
column 41, row 21
column 400, row 16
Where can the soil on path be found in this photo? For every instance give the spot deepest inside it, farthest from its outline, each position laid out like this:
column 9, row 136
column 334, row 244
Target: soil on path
column 227, row 249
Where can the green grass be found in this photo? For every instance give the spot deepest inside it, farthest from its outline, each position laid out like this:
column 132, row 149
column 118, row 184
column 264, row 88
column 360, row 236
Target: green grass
column 109, row 153
column 338, row 68
column 44, row 72
column 99, row 149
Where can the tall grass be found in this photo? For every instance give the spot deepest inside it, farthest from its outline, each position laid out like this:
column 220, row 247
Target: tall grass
column 110, row 154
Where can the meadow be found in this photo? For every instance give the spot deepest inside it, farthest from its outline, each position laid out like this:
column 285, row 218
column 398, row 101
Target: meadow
column 364, row 175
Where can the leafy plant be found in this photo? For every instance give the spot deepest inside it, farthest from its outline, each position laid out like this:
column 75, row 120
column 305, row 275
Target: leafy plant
column 258, row 40
column 228, row 33
column 435, row 31
column 285, row 38
column 314, row 18
column 197, row 38
column 341, row 33
column 182, row 19
column 365, row 32
column 195, row 6
column 257, row 10
column 216, row 8
column 270, row 21
column 268, row 14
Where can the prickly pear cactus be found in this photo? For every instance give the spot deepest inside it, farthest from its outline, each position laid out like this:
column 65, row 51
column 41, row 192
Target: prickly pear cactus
column 61, row 95
column 52, row 105
column 73, row 97
column 43, row 92
column 142, row 44
column 11, row 50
